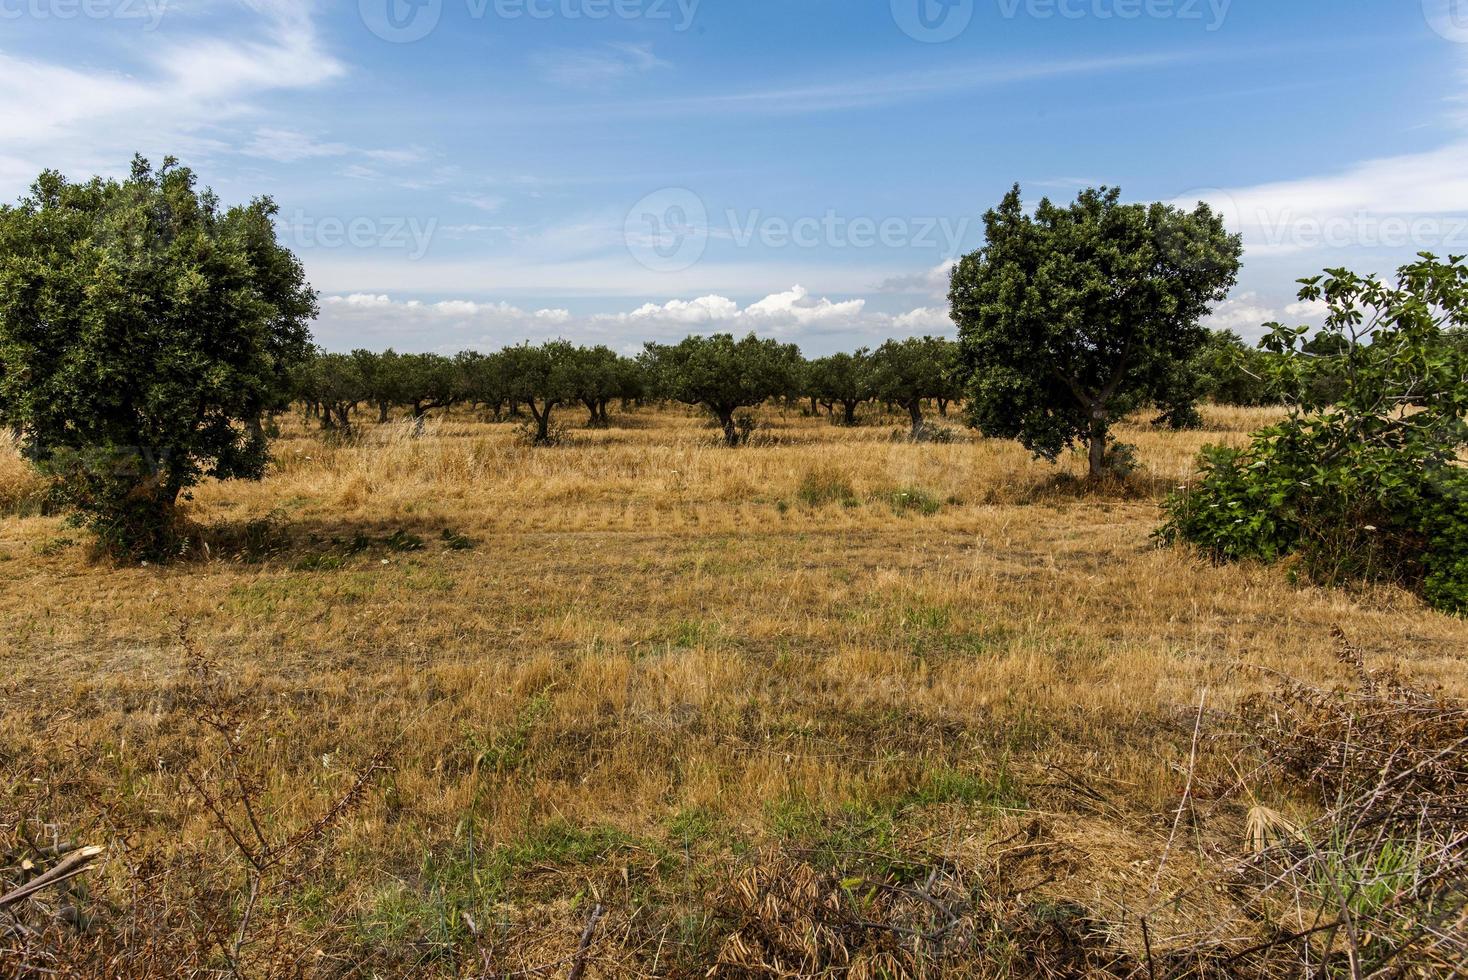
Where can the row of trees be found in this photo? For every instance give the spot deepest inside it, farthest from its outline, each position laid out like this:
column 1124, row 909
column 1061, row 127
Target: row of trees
column 720, row 373
column 146, row 333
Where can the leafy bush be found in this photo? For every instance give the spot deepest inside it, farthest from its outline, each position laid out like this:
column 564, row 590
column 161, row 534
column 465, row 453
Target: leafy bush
column 1362, row 479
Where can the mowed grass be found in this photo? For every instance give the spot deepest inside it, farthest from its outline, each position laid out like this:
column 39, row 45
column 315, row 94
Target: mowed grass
column 613, row 670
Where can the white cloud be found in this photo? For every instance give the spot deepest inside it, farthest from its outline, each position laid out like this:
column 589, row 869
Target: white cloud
column 924, row 319
column 797, row 306
column 91, row 121
column 291, row 146
column 705, row 309
column 373, row 319
column 1309, row 309
column 1243, row 314
column 610, row 62
column 933, row 282
column 484, row 202
column 1402, row 204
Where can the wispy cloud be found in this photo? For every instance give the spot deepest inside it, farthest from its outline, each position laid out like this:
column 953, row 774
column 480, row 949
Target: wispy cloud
column 606, row 63
column 55, row 115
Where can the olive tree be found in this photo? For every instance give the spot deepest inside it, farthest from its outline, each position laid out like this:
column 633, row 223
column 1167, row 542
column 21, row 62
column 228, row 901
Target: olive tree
column 482, row 380
column 599, row 374
column 723, row 374
column 337, row 384
column 842, row 379
column 541, row 377
column 911, row 371
column 145, row 331
column 1078, row 314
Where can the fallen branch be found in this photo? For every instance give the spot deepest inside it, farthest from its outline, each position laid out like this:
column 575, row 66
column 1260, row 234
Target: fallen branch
column 77, row 862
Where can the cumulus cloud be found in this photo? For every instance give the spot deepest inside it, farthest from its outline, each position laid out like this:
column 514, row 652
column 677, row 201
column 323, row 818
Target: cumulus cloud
column 924, row 319
column 374, row 319
column 795, row 305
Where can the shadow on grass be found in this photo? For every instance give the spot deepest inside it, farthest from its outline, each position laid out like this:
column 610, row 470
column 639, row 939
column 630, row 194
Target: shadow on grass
column 317, row 545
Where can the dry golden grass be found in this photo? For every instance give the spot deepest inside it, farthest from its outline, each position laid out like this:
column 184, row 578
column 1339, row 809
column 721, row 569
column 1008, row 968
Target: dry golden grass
column 614, row 667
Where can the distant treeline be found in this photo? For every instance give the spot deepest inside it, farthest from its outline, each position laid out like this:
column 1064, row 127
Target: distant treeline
column 719, row 372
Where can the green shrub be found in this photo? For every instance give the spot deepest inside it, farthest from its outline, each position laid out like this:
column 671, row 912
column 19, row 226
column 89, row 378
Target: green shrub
column 1362, row 479
column 915, row 500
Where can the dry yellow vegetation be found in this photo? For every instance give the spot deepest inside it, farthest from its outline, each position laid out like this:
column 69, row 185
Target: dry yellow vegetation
column 640, row 671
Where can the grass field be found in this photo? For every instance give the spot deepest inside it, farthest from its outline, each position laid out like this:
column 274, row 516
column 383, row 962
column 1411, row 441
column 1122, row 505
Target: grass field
column 643, row 672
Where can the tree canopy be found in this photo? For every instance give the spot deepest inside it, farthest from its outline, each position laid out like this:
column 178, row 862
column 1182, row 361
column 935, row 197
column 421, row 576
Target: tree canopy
column 723, row 374
column 144, row 332
column 1073, row 316
column 912, row 371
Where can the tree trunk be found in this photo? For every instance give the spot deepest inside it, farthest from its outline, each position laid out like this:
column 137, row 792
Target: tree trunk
column 915, row 409
column 943, row 407
column 850, row 408
column 731, row 433
column 542, row 421
column 382, row 413
column 1097, row 440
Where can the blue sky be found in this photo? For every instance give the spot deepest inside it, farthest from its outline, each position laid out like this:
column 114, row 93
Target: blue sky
column 469, row 173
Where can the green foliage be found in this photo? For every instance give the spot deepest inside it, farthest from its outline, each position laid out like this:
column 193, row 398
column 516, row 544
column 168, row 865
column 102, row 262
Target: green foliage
column 915, row 500
column 842, row 379
column 599, row 374
column 145, row 333
column 1363, row 478
column 1230, row 372
column 723, row 374
column 1072, row 317
column 912, row 371
column 541, row 378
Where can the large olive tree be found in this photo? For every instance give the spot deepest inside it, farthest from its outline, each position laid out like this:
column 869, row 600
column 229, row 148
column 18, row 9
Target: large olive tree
column 144, row 333
column 1073, row 316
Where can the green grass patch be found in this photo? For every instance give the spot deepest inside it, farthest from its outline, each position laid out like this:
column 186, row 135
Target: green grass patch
column 914, row 500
